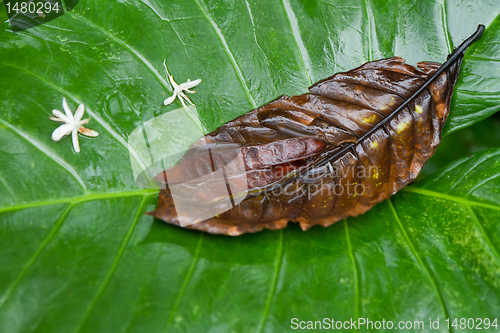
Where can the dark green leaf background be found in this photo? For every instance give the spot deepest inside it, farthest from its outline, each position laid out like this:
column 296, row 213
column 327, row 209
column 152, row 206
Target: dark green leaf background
column 78, row 255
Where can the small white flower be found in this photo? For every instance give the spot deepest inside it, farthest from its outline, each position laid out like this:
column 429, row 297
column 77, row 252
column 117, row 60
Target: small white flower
column 72, row 124
column 179, row 89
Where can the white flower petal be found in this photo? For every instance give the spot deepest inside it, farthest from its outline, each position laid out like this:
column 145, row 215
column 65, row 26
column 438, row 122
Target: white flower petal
column 182, row 101
column 79, row 112
column 165, row 65
column 170, row 99
column 76, row 144
column 190, row 84
column 67, row 110
column 62, row 117
column 184, row 96
column 88, row 132
column 57, row 119
column 172, row 82
column 73, row 124
column 61, row 131
column 81, row 122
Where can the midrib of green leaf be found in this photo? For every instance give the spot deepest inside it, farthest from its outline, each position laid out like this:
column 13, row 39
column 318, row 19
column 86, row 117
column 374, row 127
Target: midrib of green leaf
column 82, row 198
column 145, row 193
column 463, row 201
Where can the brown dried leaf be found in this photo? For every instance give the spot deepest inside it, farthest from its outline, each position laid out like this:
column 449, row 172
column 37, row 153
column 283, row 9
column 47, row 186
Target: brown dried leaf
column 356, row 139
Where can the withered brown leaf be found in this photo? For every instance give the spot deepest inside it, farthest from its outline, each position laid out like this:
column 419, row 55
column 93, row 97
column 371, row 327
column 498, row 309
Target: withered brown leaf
column 367, row 132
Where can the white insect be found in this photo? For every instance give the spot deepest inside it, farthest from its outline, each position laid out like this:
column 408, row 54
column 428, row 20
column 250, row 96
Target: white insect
column 72, row 124
column 179, row 89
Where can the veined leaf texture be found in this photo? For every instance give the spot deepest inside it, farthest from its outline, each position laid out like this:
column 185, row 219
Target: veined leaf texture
column 354, row 140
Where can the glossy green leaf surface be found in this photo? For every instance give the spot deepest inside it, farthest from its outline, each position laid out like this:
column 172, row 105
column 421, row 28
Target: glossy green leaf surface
column 480, row 136
column 78, row 255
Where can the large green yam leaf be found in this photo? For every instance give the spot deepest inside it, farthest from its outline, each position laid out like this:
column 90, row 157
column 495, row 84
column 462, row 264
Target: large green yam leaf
column 77, row 252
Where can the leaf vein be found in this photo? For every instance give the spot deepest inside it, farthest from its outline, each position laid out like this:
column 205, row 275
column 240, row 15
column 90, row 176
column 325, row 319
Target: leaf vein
column 494, row 251
column 368, row 19
column 112, row 270
column 482, row 182
column 37, row 253
column 356, row 273
column 133, row 51
column 444, row 13
column 304, row 55
column 464, row 175
column 448, row 197
column 484, row 94
column 274, row 282
column 7, row 187
column 222, row 40
column 422, row 265
column 185, row 283
column 79, row 199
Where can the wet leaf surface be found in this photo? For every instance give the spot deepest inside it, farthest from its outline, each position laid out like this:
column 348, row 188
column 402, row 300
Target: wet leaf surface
column 356, row 139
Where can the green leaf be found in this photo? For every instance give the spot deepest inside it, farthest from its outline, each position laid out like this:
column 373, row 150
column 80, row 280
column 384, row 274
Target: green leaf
column 482, row 135
column 477, row 91
column 77, row 253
